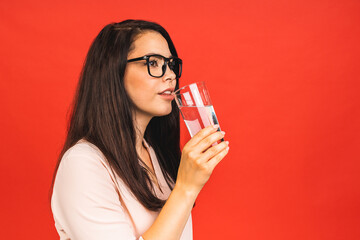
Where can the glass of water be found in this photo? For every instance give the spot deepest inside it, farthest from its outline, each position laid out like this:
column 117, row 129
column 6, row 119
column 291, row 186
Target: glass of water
column 196, row 107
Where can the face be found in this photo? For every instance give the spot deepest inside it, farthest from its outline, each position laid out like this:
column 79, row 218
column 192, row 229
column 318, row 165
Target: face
column 143, row 89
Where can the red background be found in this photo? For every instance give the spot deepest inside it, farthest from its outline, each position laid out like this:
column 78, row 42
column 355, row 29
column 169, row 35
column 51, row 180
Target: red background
column 284, row 80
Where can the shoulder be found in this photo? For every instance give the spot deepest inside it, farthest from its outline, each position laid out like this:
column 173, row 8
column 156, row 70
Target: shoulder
column 83, row 178
column 83, row 155
column 85, row 200
column 80, row 167
column 83, row 149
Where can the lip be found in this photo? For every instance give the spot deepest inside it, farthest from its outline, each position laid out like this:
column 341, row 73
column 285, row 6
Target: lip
column 168, row 89
column 167, row 97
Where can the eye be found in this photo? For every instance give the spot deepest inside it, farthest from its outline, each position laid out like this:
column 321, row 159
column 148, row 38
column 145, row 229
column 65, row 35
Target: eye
column 153, row 63
column 172, row 64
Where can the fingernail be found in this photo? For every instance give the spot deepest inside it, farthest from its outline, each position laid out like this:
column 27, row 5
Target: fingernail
column 223, row 133
column 227, row 142
column 227, row 149
column 216, row 126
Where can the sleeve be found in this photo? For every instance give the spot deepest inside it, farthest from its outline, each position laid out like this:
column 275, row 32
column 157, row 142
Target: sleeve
column 86, row 203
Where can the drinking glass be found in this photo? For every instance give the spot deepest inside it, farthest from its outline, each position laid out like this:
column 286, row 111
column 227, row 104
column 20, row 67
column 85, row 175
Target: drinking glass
column 196, row 107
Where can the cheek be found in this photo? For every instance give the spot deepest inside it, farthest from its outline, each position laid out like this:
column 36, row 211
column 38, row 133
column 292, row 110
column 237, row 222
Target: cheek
column 138, row 86
column 132, row 81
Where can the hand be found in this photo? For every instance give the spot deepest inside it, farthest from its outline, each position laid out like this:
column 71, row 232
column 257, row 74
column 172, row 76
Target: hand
column 199, row 158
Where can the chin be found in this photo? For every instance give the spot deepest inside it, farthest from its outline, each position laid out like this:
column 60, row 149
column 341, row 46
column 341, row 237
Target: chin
column 164, row 112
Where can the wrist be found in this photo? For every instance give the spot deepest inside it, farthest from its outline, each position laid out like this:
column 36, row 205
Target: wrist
column 190, row 194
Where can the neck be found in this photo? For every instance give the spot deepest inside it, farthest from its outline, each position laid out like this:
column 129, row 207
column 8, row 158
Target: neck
column 141, row 121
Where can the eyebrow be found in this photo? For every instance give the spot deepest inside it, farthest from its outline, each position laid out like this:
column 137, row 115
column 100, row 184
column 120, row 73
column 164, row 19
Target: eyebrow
column 157, row 54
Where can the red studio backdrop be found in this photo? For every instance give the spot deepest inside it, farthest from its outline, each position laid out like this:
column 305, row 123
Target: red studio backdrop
column 284, row 80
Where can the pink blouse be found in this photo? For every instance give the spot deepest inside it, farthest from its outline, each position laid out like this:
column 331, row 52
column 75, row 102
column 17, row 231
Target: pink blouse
column 90, row 202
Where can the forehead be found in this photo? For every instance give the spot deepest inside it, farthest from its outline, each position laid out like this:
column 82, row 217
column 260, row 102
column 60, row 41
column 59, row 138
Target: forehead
column 149, row 42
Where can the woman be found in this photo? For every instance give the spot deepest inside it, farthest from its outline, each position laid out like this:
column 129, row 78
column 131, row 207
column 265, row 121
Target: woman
column 121, row 174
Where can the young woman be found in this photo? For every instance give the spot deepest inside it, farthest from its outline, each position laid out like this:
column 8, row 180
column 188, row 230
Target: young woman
column 121, row 174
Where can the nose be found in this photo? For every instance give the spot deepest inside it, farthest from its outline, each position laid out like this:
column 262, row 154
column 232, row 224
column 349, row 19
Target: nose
column 169, row 74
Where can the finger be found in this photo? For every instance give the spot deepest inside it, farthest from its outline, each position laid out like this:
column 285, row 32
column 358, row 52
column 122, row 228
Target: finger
column 206, row 143
column 213, row 151
column 202, row 134
column 212, row 163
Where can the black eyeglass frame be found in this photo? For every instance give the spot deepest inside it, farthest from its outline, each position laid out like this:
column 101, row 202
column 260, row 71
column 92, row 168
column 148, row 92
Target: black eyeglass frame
column 166, row 62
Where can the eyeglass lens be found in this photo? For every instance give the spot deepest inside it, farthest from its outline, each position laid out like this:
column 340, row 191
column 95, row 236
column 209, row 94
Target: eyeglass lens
column 157, row 66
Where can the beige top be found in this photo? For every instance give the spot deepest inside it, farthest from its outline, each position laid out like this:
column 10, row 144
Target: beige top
column 86, row 202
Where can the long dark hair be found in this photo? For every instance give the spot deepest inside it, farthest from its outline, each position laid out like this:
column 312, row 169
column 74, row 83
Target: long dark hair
column 102, row 113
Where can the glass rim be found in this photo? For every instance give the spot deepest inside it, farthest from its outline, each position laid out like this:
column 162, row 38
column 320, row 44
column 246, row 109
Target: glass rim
column 177, row 91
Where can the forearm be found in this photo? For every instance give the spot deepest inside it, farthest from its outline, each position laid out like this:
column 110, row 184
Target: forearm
column 172, row 218
column 198, row 160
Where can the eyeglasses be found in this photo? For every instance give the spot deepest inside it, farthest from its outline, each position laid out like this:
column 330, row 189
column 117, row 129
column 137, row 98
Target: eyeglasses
column 156, row 64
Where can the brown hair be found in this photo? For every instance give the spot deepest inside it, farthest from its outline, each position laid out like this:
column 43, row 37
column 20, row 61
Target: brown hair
column 102, row 113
